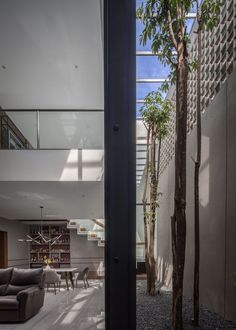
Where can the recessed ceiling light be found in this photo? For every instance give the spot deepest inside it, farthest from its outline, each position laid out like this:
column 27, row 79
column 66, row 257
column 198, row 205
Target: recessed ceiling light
column 76, row 66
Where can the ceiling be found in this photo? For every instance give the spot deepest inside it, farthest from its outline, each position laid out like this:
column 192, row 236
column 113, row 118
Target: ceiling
column 51, row 54
column 51, row 58
column 61, row 200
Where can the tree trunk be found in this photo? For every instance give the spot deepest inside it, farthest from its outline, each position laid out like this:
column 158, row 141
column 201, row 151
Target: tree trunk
column 178, row 221
column 153, row 205
column 196, row 186
column 157, row 175
column 158, row 160
column 144, row 200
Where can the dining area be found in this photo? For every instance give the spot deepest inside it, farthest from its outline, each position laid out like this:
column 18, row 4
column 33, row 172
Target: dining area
column 72, row 281
column 69, row 276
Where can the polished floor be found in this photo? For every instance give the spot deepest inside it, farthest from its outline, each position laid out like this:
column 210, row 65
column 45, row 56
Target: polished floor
column 78, row 309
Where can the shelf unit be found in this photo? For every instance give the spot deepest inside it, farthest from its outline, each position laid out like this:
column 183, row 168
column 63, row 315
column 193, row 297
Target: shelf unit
column 59, row 252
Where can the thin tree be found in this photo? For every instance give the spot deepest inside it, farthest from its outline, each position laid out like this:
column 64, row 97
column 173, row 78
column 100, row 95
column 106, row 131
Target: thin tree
column 207, row 18
column 165, row 24
column 156, row 115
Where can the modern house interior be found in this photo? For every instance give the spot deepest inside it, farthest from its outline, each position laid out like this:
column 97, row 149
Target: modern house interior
column 52, row 158
column 56, row 259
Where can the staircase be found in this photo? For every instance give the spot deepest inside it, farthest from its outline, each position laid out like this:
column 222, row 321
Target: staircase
column 93, row 229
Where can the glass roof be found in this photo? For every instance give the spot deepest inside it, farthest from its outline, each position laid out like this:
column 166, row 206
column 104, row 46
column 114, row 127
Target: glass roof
column 148, row 67
column 142, row 89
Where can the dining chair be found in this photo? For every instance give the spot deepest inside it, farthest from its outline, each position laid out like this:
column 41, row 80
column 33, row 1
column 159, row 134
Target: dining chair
column 51, row 277
column 82, row 276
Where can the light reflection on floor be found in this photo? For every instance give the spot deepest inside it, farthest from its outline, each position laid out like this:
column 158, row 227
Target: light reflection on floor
column 78, row 309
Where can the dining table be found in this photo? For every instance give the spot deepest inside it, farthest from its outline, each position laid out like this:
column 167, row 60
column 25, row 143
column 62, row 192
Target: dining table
column 68, row 273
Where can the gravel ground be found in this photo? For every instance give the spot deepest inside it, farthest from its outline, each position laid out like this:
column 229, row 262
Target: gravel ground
column 154, row 313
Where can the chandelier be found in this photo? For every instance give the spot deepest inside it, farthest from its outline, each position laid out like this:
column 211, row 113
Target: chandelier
column 41, row 238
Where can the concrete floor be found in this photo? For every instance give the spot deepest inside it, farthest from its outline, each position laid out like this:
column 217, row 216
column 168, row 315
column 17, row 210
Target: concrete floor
column 80, row 309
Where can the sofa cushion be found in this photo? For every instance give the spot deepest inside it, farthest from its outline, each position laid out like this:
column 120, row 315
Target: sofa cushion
column 26, row 276
column 5, row 277
column 3, row 289
column 14, row 289
column 9, row 303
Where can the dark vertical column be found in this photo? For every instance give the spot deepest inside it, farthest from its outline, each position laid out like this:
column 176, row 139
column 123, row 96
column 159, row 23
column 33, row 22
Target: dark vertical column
column 119, row 49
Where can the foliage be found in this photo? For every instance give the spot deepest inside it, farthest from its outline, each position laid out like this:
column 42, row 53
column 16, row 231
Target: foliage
column 160, row 17
column 156, row 115
column 156, row 112
column 165, row 24
column 210, row 13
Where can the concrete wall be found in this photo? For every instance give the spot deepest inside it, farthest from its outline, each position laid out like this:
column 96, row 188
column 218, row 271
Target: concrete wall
column 230, row 230
column 217, row 208
column 18, row 252
column 86, row 253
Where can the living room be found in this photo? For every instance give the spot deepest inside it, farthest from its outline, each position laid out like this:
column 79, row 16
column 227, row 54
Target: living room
column 71, row 255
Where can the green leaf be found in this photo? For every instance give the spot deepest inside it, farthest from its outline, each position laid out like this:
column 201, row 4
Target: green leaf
column 156, row 113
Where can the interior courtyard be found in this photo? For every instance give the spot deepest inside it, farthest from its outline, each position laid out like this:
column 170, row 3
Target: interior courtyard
column 74, row 163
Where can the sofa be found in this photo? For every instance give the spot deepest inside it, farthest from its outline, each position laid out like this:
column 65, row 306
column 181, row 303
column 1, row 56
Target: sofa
column 21, row 293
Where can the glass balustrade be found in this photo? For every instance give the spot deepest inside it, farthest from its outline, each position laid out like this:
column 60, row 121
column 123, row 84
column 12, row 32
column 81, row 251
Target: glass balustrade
column 51, row 130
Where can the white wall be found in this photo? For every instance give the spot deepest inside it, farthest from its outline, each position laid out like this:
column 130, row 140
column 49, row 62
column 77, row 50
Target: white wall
column 18, row 252
column 140, row 250
column 217, row 208
column 85, row 253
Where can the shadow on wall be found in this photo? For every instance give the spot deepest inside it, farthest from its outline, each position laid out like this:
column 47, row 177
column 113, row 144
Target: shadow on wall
column 164, row 272
column 217, row 208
